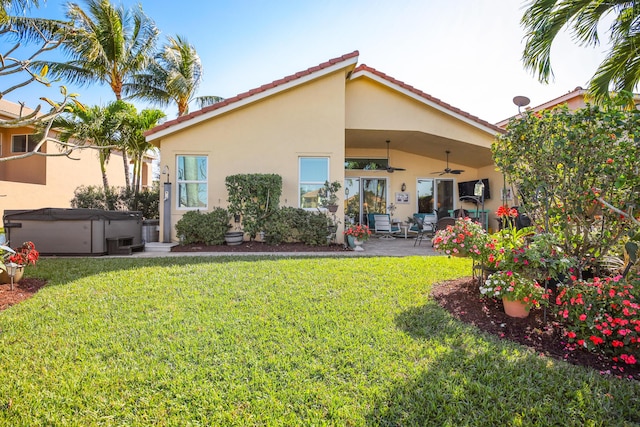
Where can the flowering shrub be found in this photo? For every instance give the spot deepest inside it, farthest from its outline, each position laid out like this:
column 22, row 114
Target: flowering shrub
column 25, row 254
column 465, row 237
column 360, row 232
column 603, row 315
column 505, row 248
column 515, row 287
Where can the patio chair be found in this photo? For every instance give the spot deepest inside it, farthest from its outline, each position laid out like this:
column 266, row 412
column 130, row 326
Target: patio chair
column 384, row 227
column 424, row 226
column 460, row 213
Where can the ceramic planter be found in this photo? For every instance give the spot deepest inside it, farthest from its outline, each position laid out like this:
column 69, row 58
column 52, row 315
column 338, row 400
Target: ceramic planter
column 234, row 238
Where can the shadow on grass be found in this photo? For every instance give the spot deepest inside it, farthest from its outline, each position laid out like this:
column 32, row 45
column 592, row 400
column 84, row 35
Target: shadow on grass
column 467, row 378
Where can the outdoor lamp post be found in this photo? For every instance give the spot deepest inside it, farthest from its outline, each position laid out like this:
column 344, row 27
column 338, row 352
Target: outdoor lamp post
column 478, row 191
column 12, row 269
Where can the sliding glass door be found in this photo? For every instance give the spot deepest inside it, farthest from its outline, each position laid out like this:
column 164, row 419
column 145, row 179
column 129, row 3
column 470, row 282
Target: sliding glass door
column 435, row 195
column 364, row 196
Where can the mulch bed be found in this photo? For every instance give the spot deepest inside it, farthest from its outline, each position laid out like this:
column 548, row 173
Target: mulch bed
column 21, row 291
column 463, row 300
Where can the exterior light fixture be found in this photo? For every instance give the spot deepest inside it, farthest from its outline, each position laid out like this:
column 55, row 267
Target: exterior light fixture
column 12, row 269
column 478, row 192
column 403, row 187
column 165, row 171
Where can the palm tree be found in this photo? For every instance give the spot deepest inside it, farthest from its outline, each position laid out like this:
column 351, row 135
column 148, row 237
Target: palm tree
column 174, row 76
column 100, row 126
column 109, row 45
column 544, row 19
column 134, row 126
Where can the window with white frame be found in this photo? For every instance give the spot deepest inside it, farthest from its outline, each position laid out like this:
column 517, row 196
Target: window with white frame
column 192, row 182
column 23, row 143
column 314, row 172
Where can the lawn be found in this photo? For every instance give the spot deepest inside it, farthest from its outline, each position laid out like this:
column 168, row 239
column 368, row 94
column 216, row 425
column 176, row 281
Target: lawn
column 260, row 341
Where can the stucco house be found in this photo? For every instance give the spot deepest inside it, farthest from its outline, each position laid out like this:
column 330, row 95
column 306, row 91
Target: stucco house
column 40, row 181
column 384, row 140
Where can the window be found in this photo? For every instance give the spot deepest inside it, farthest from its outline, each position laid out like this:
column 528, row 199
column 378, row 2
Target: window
column 23, row 143
column 192, row 182
column 435, row 195
column 314, row 172
column 366, row 164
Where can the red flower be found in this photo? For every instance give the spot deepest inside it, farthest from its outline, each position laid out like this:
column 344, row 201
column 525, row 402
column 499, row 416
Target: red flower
column 25, row 254
column 596, row 340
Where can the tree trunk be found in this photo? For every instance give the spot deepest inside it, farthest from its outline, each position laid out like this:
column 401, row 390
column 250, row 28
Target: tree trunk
column 127, row 180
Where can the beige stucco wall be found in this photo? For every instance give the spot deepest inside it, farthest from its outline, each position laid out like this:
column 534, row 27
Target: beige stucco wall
column 374, row 106
column 62, row 177
column 266, row 137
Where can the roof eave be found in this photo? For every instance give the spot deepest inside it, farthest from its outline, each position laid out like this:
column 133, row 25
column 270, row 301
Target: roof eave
column 252, row 96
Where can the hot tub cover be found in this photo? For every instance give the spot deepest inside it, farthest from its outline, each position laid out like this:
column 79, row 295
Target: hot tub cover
column 61, row 214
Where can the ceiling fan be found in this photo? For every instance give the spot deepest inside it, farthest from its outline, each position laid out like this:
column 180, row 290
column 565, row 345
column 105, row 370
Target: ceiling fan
column 390, row 168
column 448, row 169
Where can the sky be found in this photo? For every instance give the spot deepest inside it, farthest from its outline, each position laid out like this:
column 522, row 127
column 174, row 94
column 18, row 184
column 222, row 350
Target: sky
column 465, row 52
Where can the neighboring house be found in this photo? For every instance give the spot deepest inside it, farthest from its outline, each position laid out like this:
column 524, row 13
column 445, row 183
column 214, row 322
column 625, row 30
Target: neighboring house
column 41, row 181
column 574, row 99
column 327, row 123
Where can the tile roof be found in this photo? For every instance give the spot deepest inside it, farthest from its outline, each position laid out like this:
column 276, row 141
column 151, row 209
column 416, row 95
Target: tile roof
column 364, row 68
column 12, row 109
column 253, row 92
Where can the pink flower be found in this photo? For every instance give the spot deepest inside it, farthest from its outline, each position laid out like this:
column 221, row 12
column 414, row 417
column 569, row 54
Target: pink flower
column 583, row 317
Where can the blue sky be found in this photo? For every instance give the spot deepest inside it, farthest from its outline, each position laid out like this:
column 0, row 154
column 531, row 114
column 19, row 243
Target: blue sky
column 465, row 52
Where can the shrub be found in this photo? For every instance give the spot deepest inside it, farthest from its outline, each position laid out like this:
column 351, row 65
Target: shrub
column 289, row 224
column 204, row 228
column 603, row 315
column 93, row 197
column 255, row 197
column 564, row 163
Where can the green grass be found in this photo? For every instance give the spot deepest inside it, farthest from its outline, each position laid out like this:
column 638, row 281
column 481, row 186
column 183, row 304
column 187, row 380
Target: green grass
column 259, row 341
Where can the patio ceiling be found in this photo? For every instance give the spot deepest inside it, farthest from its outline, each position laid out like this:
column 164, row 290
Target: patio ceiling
column 421, row 144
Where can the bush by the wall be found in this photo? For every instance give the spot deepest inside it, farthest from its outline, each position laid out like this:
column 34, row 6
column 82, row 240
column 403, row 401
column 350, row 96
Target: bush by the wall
column 204, row 228
column 255, row 197
column 289, row 224
column 121, row 199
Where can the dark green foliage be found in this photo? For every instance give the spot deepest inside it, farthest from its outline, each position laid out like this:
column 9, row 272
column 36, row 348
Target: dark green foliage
column 205, row 228
column 146, row 201
column 255, row 197
column 566, row 163
column 297, row 225
column 94, row 197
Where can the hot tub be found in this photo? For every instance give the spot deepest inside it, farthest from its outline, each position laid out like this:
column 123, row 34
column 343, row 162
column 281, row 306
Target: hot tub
column 57, row 231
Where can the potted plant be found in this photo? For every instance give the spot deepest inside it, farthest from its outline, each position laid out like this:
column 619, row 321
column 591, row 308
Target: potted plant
column 518, row 292
column 21, row 257
column 236, row 236
column 356, row 235
column 328, row 195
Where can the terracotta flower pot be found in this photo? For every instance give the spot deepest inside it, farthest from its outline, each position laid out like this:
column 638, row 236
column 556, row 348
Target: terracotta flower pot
column 515, row 308
column 460, row 254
